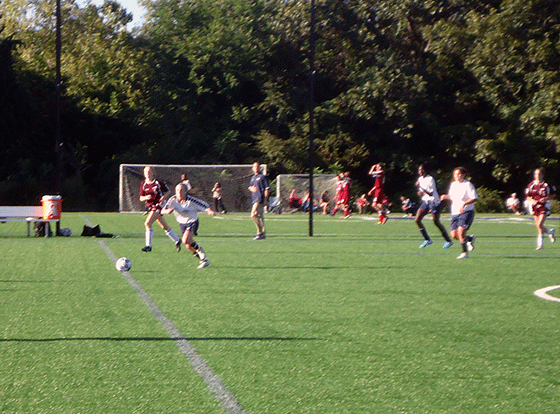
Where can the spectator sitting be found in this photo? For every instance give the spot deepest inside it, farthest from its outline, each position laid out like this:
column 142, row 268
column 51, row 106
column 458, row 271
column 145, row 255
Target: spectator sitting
column 324, row 203
column 513, row 204
column 362, row 203
column 307, row 202
column 295, row 201
column 408, row 206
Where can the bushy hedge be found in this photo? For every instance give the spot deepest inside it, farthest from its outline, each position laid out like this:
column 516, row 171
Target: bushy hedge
column 489, row 201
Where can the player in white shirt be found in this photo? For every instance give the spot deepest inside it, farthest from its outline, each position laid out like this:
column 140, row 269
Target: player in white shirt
column 430, row 204
column 462, row 195
column 186, row 210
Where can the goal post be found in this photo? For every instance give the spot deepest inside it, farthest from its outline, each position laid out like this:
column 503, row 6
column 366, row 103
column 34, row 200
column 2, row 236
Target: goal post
column 234, row 180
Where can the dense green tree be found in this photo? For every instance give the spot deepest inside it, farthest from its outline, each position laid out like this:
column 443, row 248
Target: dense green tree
column 103, row 104
column 516, row 59
column 446, row 82
column 209, row 76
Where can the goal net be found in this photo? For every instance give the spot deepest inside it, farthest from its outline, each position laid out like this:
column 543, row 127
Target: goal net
column 234, row 180
column 285, row 183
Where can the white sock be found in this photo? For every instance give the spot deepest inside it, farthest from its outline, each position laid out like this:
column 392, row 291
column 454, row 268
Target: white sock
column 149, row 235
column 171, row 234
column 539, row 241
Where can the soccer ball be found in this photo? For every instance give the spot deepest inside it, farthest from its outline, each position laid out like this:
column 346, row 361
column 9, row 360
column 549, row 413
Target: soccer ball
column 123, row 264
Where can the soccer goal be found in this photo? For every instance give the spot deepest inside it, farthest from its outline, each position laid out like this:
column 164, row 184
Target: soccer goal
column 285, row 183
column 234, row 180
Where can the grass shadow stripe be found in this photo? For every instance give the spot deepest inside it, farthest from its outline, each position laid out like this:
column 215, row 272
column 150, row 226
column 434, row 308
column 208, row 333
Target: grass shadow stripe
column 155, row 339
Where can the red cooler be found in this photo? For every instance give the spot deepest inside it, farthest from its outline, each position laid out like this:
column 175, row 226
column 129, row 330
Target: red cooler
column 52, row 207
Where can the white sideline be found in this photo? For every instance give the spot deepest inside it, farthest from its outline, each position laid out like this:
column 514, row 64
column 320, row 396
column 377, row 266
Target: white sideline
column 543, row 293
column 214, row 383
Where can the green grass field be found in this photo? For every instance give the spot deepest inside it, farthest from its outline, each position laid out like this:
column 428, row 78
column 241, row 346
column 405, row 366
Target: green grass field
column 356, row 319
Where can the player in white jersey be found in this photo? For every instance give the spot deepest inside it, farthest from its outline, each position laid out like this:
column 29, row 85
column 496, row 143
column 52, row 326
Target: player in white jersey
column 462, row 195
column 430, row 204
column 186, row 210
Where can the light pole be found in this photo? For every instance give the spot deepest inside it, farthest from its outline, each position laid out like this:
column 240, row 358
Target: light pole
column 58, row 87
column 311, row 112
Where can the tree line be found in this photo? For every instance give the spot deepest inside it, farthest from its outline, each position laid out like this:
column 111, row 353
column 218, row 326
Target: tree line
column 441, row 82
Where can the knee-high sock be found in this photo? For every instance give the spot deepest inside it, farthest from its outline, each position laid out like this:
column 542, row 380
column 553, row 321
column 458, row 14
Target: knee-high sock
column 424, row 233
column 171, row 234
column 149, row 236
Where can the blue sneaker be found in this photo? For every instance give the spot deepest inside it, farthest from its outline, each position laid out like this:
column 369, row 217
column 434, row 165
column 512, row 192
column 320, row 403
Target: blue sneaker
column 447, row 245
column 425, row 243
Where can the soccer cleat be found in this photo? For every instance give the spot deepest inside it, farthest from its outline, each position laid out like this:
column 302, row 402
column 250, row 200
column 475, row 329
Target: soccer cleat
column 425, row 243
column 260, row 236
column 178, row 245
column 203, row 264
column 447, row 245
column 552, row 235
column 201, row 254
column 540, row 247
column 147, row 249
column 463, row 255
column 470, row 244
column 383, row 220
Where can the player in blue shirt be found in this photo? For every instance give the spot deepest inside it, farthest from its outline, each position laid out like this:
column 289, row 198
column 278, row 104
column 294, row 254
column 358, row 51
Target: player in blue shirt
column 260, row 191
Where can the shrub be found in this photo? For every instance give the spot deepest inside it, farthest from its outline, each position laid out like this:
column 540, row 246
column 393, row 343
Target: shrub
column 489, row 201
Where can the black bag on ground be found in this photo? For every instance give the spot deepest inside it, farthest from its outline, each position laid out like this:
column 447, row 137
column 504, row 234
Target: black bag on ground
column 95, row 232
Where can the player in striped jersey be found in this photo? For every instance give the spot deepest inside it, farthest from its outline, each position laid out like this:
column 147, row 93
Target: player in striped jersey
column 186, row 208
column 538, row 194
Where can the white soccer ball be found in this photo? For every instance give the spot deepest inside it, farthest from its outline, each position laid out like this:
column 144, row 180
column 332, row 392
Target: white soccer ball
column 123, row 264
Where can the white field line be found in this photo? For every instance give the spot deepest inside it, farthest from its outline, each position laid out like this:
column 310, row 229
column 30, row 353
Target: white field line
column 543, row 293
column 214, row 383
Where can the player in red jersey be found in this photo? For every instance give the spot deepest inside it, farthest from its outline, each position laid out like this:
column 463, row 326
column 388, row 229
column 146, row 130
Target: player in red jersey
column 338, row 197
column 345, row 194
column 152, row 193
column 538, row 193
column 377, row 191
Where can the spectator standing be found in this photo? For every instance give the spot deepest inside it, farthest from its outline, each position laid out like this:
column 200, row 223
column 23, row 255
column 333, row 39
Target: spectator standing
column 218, row 201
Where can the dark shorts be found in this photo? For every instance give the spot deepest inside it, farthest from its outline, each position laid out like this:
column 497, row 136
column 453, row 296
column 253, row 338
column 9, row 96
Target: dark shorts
column 430, row 206
column 193, row 227
column 463, row 220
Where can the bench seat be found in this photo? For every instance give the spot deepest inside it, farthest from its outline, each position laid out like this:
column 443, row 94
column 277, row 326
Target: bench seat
column 30, row 214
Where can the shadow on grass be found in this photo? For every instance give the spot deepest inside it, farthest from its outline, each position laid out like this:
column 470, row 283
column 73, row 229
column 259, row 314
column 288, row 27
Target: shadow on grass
column 156, row 338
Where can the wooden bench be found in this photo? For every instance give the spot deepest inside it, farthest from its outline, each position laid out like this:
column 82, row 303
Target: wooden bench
column 30, row 214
